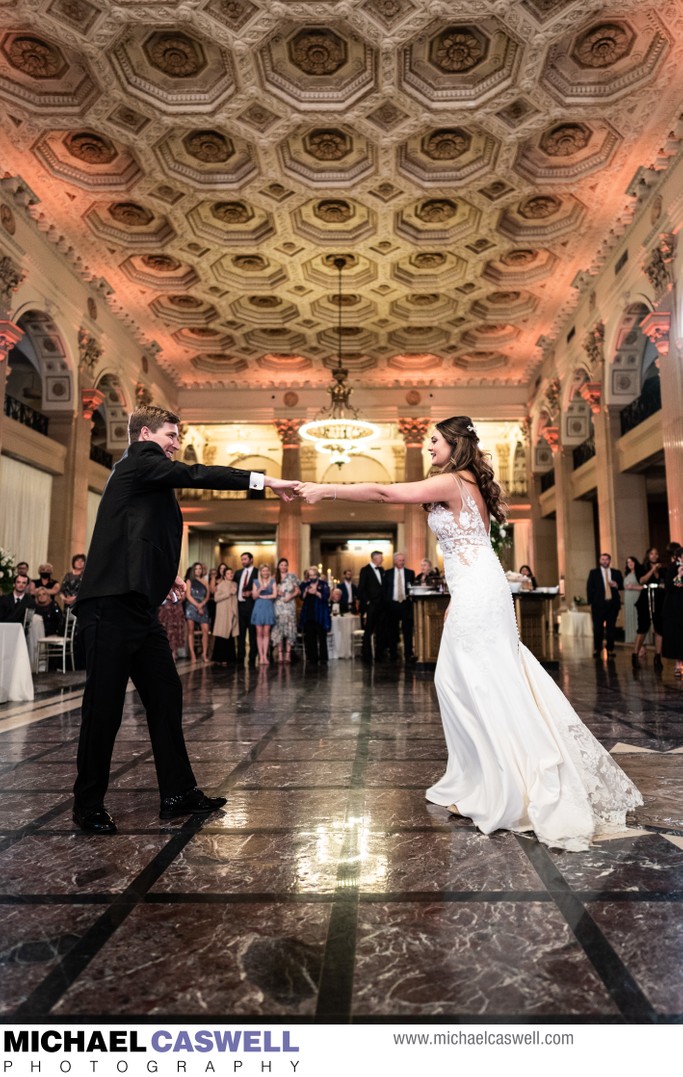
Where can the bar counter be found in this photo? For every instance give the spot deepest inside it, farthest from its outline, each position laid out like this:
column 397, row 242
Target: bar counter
column 533, row 610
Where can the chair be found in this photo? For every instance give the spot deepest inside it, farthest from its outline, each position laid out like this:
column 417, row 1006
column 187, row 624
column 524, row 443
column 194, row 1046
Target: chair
column 357, row 642
column 60, row 645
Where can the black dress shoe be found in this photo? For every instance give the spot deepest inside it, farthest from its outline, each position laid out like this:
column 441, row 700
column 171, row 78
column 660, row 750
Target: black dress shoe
column 95, row 821
column 193, row 802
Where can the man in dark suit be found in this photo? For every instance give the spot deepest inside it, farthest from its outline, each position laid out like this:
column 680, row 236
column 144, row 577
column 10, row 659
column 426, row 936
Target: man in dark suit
column 131, row 569
column 14, row 605
column 348, row 603
column 245, row 578
column 399, row 606
column 602, row 588
column 371, row 599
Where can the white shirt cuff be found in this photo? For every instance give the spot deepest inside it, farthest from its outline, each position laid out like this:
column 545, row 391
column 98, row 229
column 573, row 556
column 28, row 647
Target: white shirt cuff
column 256, row 480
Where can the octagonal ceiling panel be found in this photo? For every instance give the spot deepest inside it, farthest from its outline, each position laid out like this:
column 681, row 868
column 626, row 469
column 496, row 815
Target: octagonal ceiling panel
column 608, row 57
column 321, row 270
column 231, row 221
column 520, row 266
column 430, row 308
column 541, row 218
column 207, row 157
column 183, row 309
column 334, row 220
column 327, row 156
column 354, row 307
column 248, row 272
column 42, row 75
column 459, row 63
column 318, row 66
column 173, row 70
column 433, row 221
column 415, row 364
column 201, row 337
column 264, row 310
column 162, row 272
column 430, row 270
column 567, row 151
column 129, row 224
column 509, row 306
column 448, row 155
column 88, row 160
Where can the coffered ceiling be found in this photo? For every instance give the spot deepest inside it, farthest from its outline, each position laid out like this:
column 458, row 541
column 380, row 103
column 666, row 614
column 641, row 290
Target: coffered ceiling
column 210, row 160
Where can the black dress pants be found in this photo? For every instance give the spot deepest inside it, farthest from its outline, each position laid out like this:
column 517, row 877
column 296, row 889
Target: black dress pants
column 123, row 639
column 604, row 616
column 401, row 623
column 244, row 612
column 375, row 625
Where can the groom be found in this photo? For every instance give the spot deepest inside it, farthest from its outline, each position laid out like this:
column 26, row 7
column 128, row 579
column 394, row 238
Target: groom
column 131, row 570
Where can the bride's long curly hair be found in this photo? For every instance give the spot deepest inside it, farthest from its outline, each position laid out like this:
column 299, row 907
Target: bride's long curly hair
column 466, row 455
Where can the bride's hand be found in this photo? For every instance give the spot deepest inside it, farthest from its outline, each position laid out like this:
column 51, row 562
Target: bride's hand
column 311, row 492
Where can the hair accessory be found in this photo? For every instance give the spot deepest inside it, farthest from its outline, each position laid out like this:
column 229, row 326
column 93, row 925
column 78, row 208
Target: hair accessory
column 471, row 428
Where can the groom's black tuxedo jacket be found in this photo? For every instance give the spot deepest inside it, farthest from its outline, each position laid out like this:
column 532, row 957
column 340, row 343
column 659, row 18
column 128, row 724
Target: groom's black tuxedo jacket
column 135, row 546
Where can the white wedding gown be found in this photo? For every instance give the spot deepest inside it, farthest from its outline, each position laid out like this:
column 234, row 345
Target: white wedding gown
column 519, row 757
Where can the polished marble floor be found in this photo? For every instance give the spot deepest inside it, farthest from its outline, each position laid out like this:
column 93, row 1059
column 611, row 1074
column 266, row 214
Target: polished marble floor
column 328, row 889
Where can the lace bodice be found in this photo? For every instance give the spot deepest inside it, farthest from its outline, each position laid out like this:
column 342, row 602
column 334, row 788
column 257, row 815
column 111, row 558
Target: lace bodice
column 463, row 535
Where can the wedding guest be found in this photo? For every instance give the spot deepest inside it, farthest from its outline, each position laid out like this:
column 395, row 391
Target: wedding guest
column 315, row 617
column 72, row 580
column 649, row 606
column 14, row 605
column 264, row 592
column 226, row 627
column 335, row 601
column 196, row 598
column 45, row 579
column 602, row 588
column 428, row 575
column 284, row 630
column 244, row 579
column 47, row 608
column 672, row 612
column 349, row 598
column 399, row 607
column 371, row 599
column 632, row 589
column 172, row 619
column 525, row 570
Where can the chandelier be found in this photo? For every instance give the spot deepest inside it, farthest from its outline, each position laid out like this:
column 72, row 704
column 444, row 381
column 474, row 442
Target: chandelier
column 337, row 429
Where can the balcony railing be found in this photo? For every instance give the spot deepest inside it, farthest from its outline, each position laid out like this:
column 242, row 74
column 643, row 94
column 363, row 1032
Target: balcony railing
column 584, row 452
column 22, row 413
column 645, row 405
column 100, row 456
column 548, row 480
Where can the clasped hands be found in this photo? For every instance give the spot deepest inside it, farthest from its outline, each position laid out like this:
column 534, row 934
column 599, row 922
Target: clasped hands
column 290, row 489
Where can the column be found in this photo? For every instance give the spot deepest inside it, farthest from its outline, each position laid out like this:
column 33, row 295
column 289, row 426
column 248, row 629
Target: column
column 68, row 512
column 575, row 538
column 10, row 334
column 657, row 326
column 414, row 432
column 622, row 496
column 289, row 520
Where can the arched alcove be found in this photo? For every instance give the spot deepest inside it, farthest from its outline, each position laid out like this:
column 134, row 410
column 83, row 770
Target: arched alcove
column 361, row 468
column 634, row 354
column 40, row 376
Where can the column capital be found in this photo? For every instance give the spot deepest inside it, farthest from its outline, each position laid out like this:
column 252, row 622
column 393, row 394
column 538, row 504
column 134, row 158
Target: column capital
column 10, row 334
column 657, row 325
column 89, row 352
column 90, row 401
column 11, row 277
column 414, row 431
column 552, row 437
column 659, row 266
column 288, row 432
column 591, row 392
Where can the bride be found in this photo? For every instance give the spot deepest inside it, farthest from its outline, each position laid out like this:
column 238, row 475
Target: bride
column 519, row 757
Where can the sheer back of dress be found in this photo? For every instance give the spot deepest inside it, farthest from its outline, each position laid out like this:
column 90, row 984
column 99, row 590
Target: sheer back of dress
column 461, row 535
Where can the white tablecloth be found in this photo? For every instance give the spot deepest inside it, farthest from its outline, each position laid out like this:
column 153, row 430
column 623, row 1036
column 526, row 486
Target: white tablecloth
column 15, row 668
column 340, row 636
column 573, row 623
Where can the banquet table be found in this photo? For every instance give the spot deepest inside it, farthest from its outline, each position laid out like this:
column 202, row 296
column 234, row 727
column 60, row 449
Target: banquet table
column 16, row 683
column 340, row 636
column 574, row 623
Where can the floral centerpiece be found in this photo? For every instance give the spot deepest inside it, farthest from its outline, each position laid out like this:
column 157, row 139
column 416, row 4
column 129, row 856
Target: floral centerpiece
column 7, row 571
column 501, row 537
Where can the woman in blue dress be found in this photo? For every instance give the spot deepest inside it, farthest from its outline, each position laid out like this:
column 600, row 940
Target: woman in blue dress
column 264, row 592
column 196, row 598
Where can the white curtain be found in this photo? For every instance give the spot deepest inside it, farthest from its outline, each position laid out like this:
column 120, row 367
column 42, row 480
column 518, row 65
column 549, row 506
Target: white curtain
column 91, row 514
column 25, row 497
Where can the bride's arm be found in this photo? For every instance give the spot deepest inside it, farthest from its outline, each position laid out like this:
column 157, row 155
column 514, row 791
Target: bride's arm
column 424, row 491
